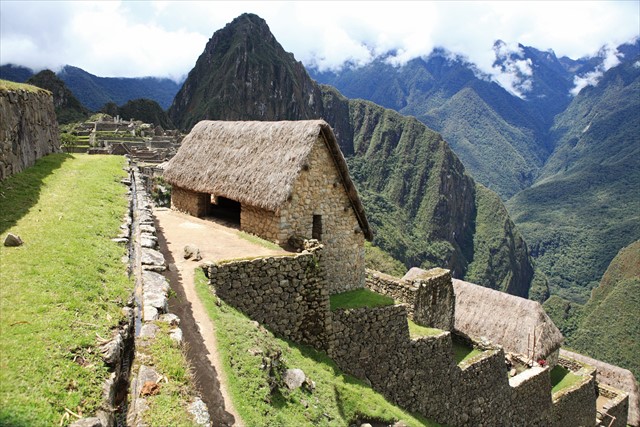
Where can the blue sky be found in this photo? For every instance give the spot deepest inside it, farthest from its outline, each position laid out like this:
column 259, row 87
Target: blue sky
column 160, row 38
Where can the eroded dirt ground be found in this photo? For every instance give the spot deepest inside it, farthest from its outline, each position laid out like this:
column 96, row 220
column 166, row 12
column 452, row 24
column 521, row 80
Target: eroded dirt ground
column 216, row 241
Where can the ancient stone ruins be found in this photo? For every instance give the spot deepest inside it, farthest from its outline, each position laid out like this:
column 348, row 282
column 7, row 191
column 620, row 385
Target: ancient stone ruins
column 287, row 182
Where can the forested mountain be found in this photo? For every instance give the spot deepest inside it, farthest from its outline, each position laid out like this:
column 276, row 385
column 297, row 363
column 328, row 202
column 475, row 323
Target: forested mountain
column 502, row 139
column 607, row 326
column 145, row 110
column 610, row 330
column 425, row 209
column 94, row 92
column 585, row 205
column 68, row 108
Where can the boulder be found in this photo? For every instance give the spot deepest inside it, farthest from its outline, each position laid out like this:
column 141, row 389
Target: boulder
column 192, row 251
column 294, row 378
column 12, row 240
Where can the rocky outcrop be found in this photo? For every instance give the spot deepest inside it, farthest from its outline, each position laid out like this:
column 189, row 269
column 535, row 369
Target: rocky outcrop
column 28, row 128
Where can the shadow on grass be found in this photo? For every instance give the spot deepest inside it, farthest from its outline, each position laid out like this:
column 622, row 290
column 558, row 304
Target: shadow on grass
column 205, row 375
column 13, row 421
column 20, row 192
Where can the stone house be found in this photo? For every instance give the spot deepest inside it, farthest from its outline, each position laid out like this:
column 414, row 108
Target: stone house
column 281, row 181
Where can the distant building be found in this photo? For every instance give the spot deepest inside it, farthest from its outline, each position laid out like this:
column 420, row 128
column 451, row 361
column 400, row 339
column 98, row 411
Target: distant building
column 280, row 180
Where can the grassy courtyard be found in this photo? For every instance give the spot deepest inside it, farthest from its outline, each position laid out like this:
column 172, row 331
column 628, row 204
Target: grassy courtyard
column 63, row 289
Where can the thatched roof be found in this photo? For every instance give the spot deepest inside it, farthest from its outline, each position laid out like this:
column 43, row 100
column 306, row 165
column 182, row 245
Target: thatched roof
column 256, row 163
column 504, row 319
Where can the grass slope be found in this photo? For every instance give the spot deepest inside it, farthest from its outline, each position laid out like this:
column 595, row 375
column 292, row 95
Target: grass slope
column 337, row 399
column 60, row 290
column 610, row 330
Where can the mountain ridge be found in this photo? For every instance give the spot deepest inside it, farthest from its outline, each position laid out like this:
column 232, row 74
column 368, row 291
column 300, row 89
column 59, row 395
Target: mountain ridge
column 424, row 211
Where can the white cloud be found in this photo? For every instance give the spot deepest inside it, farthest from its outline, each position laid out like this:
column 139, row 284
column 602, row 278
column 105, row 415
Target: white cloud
column 165, row 38
column 611, row 58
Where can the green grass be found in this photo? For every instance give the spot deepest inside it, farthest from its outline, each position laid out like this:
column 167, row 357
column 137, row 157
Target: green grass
column 417, row 331
column 337, row 400
column 562, row 378
column 258, row 241
column 62, row 289
column 462, row 353
column 358, row 299
column 6, row 85
column 170, row 406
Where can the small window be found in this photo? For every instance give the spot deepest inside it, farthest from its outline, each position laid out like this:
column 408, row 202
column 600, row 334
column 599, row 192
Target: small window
column 316, row 232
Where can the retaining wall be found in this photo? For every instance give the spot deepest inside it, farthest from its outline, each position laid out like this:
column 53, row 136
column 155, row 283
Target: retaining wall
column 288, row 294
column 576, row 405
column 373, row 344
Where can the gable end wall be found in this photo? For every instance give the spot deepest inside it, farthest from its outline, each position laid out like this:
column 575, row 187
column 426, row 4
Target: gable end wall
column 319, row 190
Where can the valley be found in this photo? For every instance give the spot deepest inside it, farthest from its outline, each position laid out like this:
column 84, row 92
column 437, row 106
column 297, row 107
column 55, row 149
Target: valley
column 532, row 190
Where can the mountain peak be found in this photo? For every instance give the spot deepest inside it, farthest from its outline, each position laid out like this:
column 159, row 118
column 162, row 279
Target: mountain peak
column 226, row 82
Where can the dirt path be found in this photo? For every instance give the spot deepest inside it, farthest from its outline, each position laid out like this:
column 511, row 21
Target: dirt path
column 216, row 242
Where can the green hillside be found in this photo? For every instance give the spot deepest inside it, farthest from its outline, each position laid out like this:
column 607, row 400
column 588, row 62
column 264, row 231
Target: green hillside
column 585, row 206
column 418, row 197
column 610, row 330
column 68, row 108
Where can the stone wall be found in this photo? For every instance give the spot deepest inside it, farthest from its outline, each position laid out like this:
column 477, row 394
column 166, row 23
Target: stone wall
column 615, row 377
column 531, row 390
column 287, row 294
column 190, row 202
column 28, row 129
column 614, row 411
column 435, row 300
column 430, row 298
column 576, row 405
column 260, row 222
column 398, row 289
column 422, row 376
column 318, row 190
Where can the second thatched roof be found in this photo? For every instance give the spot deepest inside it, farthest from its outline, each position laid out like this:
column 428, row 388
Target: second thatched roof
column 505, row 319
column 256, row 163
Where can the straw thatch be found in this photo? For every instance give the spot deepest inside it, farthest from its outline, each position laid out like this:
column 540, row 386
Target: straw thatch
column 505, row 319
column 255, row 163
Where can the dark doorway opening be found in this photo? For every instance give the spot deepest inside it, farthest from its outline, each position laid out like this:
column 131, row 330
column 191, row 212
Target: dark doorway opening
column 316, row 231
column 226, row 209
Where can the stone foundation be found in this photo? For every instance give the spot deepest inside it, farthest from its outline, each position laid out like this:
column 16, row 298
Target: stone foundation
column 190, row 202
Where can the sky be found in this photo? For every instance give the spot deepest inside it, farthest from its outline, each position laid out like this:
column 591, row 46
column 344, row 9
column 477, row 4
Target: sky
column 164, row 38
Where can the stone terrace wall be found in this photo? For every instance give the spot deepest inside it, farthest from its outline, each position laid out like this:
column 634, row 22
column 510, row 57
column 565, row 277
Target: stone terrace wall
column 28, row 129
column 616, row 408
column 531, row 397
column 190, row 202
column 576, row 405
column 421, row 375
column 287, row 294
column 398, row 289
column 430, row 299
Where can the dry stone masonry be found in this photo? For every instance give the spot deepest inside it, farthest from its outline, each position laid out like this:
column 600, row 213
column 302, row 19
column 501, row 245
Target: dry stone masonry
column 28, row 129
column 288, row 294
column 374, row 344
